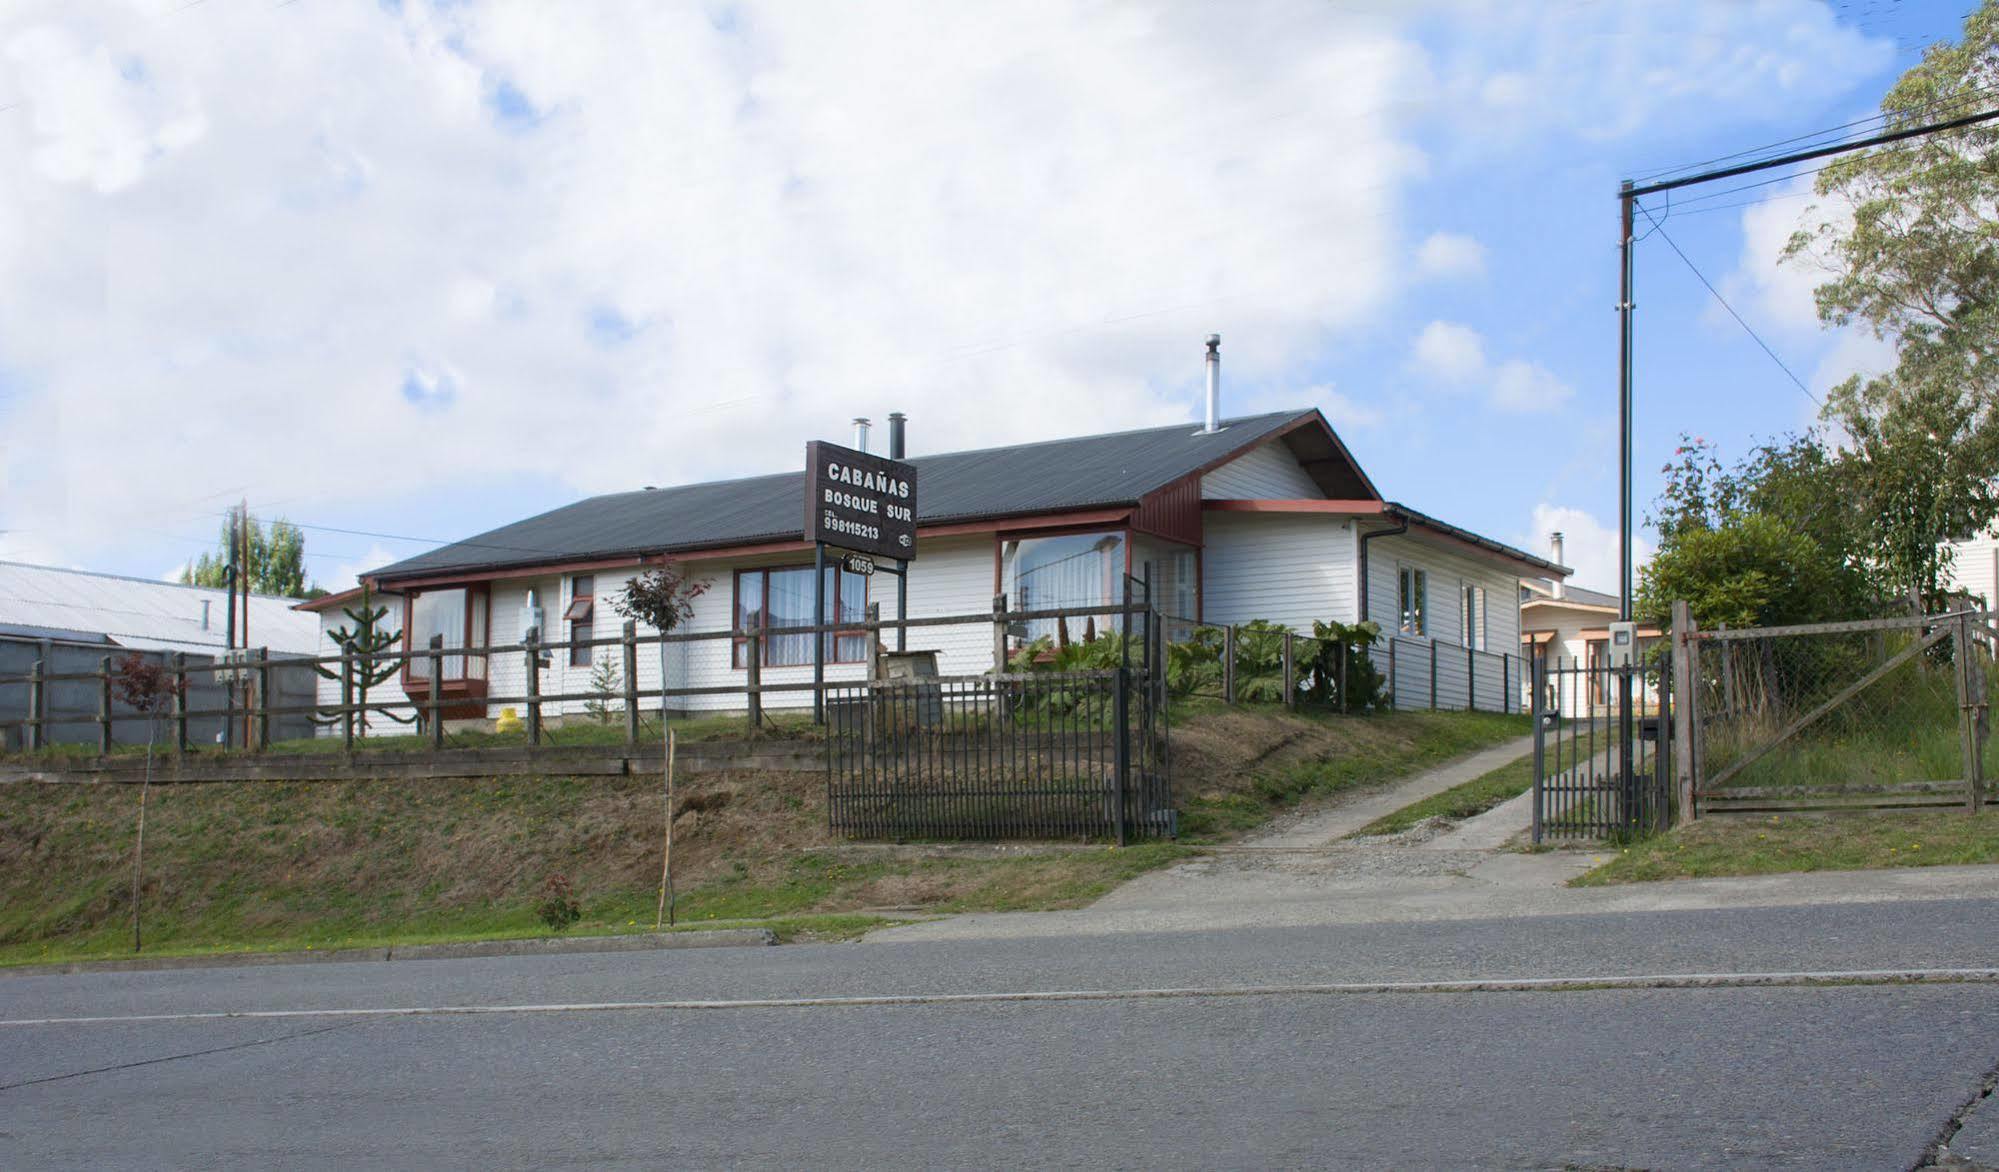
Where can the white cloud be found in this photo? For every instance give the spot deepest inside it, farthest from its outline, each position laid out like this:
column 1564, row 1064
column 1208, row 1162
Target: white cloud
column 352, row 252
column 1589, row 545
column 1454, row 354
column 1343, row 411
column 1606, row 71
column 1450, row 254
column 1519, row 385
column 1449, row 351
column 347, row 574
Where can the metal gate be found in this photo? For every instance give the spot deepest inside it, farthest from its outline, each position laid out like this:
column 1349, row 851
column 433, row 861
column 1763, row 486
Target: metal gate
column 1019, row 755
column 1602, row 749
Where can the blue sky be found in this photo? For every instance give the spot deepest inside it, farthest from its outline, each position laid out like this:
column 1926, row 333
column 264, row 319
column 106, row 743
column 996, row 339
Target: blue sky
column 415, row 270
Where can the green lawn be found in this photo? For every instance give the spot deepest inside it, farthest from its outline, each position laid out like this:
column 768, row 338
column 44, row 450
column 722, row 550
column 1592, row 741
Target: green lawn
column 1847, row 841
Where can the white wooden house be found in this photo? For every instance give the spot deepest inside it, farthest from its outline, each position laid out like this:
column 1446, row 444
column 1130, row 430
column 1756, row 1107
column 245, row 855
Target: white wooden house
column 1263, row 517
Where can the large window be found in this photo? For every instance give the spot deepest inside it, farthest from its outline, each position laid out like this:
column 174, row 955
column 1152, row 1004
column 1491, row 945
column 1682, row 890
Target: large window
column 1472, row 617
column 581, row 617
column 1412, row 595
column 1060, row 573
column 778, row 598
column 460, row 617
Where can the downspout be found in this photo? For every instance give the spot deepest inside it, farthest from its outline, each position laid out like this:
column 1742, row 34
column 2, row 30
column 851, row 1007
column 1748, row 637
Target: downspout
column 1401, row 526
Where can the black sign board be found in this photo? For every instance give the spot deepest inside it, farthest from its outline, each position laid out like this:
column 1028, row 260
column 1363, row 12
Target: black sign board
column 860, row 563
column 861, row 503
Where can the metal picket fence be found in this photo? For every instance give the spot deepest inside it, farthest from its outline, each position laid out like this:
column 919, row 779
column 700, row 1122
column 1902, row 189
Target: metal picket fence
column 1598, row 775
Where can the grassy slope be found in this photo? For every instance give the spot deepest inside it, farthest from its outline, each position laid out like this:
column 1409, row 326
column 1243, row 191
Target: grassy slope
column 1806, row 842
column 331, row 864
column 1234, row 768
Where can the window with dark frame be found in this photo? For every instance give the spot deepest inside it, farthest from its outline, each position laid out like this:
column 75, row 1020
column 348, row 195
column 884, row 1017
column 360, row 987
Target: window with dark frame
column 774, row 598
column 581, row 617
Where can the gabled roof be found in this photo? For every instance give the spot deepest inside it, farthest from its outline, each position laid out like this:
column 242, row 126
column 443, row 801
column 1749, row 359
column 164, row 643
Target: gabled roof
column 1052, row 476
column 141, row 613
column 1539, row 594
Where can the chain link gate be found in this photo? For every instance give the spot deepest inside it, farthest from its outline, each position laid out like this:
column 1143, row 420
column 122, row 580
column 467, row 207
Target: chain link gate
column 1887, row 713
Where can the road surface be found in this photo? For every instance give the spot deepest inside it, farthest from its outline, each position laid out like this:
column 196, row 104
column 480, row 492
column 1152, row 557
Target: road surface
column 1843, row 1077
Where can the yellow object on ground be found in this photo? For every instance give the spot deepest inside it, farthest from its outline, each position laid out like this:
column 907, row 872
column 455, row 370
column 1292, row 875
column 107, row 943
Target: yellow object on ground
column 509, row 721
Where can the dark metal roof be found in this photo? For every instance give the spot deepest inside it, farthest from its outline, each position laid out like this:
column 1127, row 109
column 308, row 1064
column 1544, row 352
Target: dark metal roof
column 1023, row 479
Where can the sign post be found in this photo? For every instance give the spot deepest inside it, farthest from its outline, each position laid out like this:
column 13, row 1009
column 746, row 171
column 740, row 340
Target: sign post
column 863, row 508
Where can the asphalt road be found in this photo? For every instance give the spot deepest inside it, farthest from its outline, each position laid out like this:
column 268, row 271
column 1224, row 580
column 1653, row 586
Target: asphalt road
column 1859, row 1077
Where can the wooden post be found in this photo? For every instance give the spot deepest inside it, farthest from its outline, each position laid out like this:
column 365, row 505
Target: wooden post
column 874, row 641
column 666, row 858
column 437, row 691
column 180, row 703
column 753, row 661
column 1290, row 675
column 1980, row 725
column 999, row 634
column 38, row 707
column 1228, row 664
column 532, row 658
column 1683, row 649
column 262, row 726
column 1341, row 652
column 1394, row 700
column 1970, row 704
column 630, row 635
column 104, row 705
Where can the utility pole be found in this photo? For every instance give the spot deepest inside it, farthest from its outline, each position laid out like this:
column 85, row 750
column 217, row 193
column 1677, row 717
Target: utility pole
column 1628, row 193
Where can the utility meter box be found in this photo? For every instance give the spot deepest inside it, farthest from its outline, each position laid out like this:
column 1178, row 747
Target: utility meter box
column 1623, row 644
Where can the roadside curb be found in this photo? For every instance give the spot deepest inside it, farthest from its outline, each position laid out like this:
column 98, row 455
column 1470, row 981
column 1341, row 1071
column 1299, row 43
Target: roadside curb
column 536, row 946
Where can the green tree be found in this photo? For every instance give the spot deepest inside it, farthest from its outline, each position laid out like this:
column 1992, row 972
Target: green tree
column 1907, row 238
column 277, row 561
column 1774, row 539
column 366, row 639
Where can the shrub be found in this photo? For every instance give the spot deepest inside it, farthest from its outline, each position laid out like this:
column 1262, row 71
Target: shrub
column 1341, row 668
column 558, row 907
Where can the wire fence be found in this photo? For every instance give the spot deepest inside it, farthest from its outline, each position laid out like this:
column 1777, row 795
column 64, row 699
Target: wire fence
column 1266, row 663
column 1890, row 712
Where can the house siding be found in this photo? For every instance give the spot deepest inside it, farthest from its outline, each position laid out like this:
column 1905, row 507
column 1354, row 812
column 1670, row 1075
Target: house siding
column 1975, row 568
column 390, row 692
column 1266, row 472
column 1489, row 680
column 1290, row 568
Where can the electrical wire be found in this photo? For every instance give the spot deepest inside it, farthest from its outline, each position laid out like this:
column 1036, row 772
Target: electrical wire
column 1747, row 328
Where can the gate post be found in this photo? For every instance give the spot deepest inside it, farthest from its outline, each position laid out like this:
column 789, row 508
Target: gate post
column 1290, row 675
column 1540, row 752
column 531, row 655
column 1121, row 704
column 1680, row 694
column 104, row 709
column 753, row 668
column 999, row 634
column 436, row 696
column 1970, row 697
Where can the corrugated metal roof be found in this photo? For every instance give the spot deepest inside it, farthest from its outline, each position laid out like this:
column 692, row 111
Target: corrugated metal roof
column 1051, row 476
column 144, row 614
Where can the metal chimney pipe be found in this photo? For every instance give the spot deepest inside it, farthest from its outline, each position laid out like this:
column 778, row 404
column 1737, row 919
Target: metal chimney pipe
column 860, row 433
column 896, row 419
column 1214, row 383
column 1555, row 556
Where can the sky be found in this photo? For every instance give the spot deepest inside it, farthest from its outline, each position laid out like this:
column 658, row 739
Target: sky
column 405, row 271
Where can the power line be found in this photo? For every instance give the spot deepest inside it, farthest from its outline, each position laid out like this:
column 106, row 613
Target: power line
column 1660, row 232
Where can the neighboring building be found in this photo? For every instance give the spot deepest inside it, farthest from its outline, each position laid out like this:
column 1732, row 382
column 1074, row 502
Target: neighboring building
column 1566, row 627
column 1263, row 517
column 1974, row 571
column 44, row 604
column 71, row 620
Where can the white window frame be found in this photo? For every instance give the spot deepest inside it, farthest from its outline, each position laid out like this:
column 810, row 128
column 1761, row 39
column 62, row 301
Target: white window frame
column 1412, row 582
column 1472, row 623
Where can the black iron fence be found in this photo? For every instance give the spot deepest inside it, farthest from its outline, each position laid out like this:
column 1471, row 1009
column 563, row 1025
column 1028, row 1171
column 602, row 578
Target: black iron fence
column 1602, row 749
column 1029, row 755
column 1256, row 662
